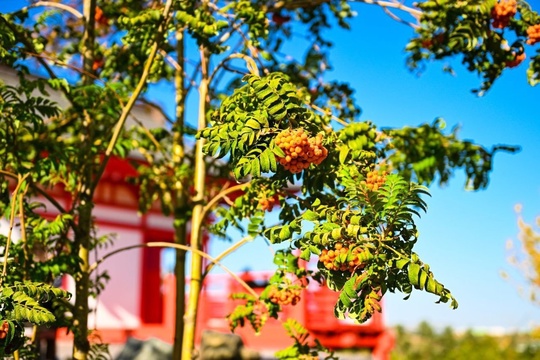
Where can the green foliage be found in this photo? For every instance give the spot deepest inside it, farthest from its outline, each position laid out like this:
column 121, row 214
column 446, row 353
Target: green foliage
column 251, row 310
column 203, row 26
column 376, row 225
column 157, row 177
column 467, row 29
column 22, row 123
column 247, row 207
column 253, row 15
column 249, row 120
column 377, row 228
column 56, row 151
column 99, row 351
column 12, row 337
column 21, row 301
column 303, row 347
column 8, row 41
column 25, row 302
column 425, row 153
column 361, row 200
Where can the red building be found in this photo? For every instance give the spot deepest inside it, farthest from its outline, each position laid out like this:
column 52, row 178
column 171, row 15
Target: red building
column 138, row 300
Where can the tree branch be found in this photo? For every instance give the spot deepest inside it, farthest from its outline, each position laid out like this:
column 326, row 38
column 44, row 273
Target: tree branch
column 20, row 180
column 395, row 5
column 220, row 196
column 162, row 244
column 327, row 112
column 64, row 7
column 138, row 89
column 42, row 192
column 225, row 253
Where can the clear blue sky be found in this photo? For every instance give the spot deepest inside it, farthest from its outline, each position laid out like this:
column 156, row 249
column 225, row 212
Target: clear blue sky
column 463, row 235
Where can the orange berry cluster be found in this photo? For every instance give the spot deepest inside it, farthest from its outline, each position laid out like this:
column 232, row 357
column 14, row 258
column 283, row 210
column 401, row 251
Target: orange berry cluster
column 4, row 330
column 260, row 315
column 341, row 258
column 100, row 17
column 374, row 180
column 436, row 40
column 502, row 12
column 285, row 296
column 267, row 203
column 300, row 149
column 518, row 59
column 533, row 32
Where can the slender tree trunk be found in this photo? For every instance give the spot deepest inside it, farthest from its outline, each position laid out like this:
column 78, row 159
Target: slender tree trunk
column 180, row 275
column 81, row 346
column 180, row 228
column 190, row 318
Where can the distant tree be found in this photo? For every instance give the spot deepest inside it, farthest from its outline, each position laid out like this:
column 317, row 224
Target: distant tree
column 525, row 256
column 426, row 343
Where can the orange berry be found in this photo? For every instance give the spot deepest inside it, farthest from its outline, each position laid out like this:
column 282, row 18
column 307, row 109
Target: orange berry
column 518, row 59
column 502, row 12
column 296, row 144
column 533, row 32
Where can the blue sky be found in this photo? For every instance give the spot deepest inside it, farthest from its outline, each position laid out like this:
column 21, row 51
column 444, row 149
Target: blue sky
column 464, row 233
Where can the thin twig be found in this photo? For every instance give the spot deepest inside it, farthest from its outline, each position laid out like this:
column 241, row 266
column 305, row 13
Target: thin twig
column 64, row 7
column 192, row 82
column 57, row 62
column 177, row 66
column 394, row 4
column 217, row 73
column 228, row 201
column 217, row 68
column 20, row 180
column 162, row 244
column 250, row 63
column 328, row 112
column 131, row 102
column 150, row 136
column 220, row 196
column 167, row 118
column 252, row 50
column 227, row 251
column 398, row 19
column 23, row 230
column 403, row 256
column 42, row 192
